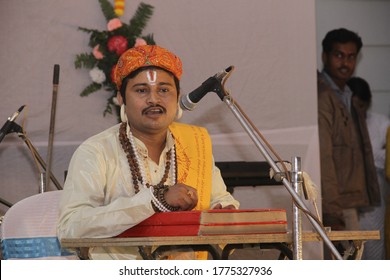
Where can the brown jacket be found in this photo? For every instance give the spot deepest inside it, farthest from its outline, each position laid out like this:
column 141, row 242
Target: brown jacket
column 348, row 174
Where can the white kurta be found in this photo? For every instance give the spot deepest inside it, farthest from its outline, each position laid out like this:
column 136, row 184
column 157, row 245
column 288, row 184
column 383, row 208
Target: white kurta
column 99, row 199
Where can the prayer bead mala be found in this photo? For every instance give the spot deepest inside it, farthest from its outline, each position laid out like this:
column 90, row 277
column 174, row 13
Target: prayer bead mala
column 158, row 191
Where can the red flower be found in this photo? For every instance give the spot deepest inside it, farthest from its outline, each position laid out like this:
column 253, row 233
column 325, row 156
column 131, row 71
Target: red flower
column 117, row 44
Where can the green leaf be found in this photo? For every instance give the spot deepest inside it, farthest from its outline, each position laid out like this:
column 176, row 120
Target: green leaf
column 90, row 89
column 88, row 30
column 111, row 106
column 108, row 109
column 107, row 9
column 98, row 38
column 140, row 19
column 86, row 60
column 149, row 39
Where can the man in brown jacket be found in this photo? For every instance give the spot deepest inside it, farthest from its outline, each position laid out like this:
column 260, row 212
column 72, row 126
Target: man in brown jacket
column 348, row 176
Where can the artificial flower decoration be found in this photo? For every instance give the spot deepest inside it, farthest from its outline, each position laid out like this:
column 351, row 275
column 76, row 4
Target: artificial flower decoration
column 97, row 75
column 97, row 53
column 108, row 45
column 119, row 7
column 117, row 44
column 140, row 42
column 113, row 24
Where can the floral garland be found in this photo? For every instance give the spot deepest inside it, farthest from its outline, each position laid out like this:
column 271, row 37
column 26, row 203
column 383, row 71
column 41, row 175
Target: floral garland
column 108, row 45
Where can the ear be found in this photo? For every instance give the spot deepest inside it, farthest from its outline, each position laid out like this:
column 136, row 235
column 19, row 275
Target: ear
column 179, row 112
column 119, row 97
column 123, row 114
column 323, row 57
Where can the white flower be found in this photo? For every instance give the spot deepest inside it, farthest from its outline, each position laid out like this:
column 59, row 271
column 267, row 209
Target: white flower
column 97, row 75
column 115, row 101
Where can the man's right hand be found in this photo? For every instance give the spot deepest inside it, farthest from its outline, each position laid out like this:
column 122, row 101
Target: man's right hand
column 183, row 196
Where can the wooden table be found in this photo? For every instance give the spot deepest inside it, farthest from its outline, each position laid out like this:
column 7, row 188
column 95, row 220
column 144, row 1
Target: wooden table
column 357, row 239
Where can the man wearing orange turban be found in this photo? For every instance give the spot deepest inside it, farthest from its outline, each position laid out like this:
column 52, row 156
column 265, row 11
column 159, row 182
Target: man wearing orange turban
column 148, row 163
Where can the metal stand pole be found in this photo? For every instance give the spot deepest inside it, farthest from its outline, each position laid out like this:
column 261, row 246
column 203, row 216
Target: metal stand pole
column 40, row 160
column 296, row 180
column 42, row 182
column 56, row 75
column 6, row 203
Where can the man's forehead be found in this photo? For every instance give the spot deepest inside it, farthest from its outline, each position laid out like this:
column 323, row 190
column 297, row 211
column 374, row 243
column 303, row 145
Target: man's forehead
column 347, row 48
column 151, row 75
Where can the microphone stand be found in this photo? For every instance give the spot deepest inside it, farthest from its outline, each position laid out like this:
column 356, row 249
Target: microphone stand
column 13, row 128
column 5, row 202
column 249, row 128
column 18, row 129
column 46, row 182
column 297, row 180
column 40, row 160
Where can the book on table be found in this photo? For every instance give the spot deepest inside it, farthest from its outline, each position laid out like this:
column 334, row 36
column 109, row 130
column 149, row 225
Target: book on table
column 211, row 222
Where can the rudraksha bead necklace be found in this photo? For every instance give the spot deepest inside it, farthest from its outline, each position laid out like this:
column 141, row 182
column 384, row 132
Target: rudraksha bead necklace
column 136, row 169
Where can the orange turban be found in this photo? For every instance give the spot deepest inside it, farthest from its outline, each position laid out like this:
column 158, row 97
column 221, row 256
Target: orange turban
column 148, row 55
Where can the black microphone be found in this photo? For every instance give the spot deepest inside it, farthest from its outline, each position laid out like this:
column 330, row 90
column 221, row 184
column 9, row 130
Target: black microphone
column 7, row 127
column 188, row 102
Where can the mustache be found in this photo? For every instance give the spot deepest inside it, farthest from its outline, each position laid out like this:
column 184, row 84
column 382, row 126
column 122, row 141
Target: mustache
column 153, row 107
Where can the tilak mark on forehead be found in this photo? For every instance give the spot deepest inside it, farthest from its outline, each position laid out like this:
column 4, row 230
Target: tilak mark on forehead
column 152, row 76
